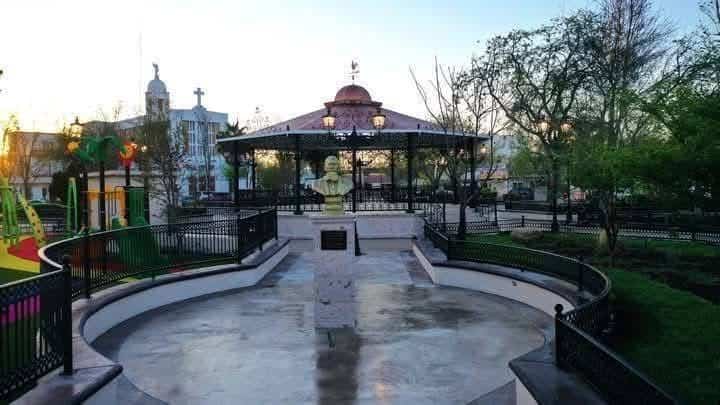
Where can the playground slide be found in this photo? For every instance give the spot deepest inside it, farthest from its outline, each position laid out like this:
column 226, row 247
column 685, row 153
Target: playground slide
column 34, row 220
column 138, row 247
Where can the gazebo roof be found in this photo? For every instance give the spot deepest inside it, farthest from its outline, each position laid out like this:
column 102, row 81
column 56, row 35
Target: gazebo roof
column 353, row 109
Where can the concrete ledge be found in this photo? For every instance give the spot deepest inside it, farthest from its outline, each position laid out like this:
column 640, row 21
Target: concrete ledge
column 386, row 244
column 117, row 306
column 538, row 379
column 538, row 291
column 370, row 225
column 94, row 380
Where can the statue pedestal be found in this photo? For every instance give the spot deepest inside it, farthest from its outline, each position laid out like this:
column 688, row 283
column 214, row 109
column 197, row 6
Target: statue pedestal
column 333, row 257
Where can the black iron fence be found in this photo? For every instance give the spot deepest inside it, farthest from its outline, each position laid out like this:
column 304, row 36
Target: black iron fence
column 209, row 213
column 105, row 258
column 35, row 331
column 36, row 320
column 706, row 234
column 423, row 199
column 578, row 332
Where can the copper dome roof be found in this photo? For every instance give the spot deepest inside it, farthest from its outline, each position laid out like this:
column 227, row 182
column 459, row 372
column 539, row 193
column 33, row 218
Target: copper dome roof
column 353, row 93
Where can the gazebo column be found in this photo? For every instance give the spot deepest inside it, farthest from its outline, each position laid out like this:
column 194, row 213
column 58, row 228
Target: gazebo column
column 236, row 174
column 353, row 145
column 392, row 175
column 298, row 158
column 253, row 166
column 410, row 162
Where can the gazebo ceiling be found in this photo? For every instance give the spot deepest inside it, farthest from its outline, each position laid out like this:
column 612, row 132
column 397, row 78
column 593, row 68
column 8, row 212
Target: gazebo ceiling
column 353, row 109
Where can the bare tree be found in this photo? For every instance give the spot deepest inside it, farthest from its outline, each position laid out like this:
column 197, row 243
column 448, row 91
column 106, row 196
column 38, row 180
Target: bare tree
column 443, row 105
column 165, row 159
column 25, row 155
column 484, row 113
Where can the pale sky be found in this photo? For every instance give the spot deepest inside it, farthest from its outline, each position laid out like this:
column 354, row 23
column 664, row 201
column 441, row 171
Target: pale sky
column 76, row 57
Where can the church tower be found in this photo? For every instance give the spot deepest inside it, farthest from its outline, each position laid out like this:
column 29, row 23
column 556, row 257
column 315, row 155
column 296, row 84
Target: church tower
column 157, row 99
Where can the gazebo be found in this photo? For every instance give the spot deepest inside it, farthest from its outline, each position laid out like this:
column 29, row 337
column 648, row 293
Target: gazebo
column 352, row 122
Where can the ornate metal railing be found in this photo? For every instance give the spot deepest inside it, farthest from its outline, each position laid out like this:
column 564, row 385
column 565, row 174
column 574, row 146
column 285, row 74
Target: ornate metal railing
column 578, row 332
column 35, row 330
column 705, row 234
column 105, row 258
column 617, row 380
column 385, row 199
column 209, row 213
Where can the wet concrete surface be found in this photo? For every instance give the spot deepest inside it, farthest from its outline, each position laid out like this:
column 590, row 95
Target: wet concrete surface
column 415, row 343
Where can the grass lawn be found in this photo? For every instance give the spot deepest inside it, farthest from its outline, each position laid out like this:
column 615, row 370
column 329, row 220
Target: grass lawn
column 670, row 334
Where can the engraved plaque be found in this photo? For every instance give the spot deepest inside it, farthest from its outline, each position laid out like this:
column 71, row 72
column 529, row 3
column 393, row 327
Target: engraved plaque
column 333, row 240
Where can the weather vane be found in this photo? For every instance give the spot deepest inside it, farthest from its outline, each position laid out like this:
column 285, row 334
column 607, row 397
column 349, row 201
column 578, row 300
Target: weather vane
column 354, row 70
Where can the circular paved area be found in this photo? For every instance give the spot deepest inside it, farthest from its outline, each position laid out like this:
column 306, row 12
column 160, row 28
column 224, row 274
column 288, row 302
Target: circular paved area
column 415, row 343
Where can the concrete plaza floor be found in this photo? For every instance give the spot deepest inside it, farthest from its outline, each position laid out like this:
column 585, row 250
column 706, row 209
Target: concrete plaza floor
column 415, row 342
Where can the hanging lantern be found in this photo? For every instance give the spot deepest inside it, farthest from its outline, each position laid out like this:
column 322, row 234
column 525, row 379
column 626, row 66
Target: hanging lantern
column 378, row 120
column 328, row 120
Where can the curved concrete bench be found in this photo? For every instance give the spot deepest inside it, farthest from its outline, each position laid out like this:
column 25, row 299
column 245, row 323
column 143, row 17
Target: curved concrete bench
column 540, row 291
column 94, row 380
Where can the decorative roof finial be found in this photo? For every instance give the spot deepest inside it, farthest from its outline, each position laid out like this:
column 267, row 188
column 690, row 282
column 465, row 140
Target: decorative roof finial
column 157, row 69
column 354, row 70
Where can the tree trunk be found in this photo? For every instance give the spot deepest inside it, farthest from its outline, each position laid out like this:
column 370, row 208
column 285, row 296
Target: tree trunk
column 609, row 224
column 462, row 225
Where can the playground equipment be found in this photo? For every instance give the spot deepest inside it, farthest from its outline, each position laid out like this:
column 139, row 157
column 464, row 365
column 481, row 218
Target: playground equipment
column 136, row 207
column 18, row 251
column 10, row 230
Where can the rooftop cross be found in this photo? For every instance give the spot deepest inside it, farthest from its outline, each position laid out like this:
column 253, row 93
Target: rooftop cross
column 199, row 93
column 354, row 70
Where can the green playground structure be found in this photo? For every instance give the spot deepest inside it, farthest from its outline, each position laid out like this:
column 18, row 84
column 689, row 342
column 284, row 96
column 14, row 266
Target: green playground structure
column 10, row 228
column 137, row 246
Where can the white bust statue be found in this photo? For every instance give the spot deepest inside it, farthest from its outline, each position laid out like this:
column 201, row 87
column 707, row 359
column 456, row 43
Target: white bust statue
column 333, row 186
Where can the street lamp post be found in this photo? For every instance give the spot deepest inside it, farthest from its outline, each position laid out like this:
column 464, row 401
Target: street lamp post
column 444, row 207
column 76, row 129
column 556, row 132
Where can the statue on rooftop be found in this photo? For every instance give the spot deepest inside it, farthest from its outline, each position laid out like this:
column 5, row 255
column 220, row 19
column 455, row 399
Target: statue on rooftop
column 333, row 186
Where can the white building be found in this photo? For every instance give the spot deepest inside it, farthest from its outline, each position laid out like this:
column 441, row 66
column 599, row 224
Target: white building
column 200, row 127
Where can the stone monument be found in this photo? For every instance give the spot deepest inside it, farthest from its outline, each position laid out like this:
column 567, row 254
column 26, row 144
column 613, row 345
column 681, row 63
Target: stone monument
column 333, row 253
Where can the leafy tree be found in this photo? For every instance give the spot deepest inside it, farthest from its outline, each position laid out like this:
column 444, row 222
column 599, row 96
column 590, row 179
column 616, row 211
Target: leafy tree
column 536, row 77
column 433, row 164
column 626, row 50
column 229, row 172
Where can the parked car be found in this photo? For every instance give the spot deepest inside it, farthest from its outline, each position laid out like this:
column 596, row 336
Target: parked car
column 520, row 193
